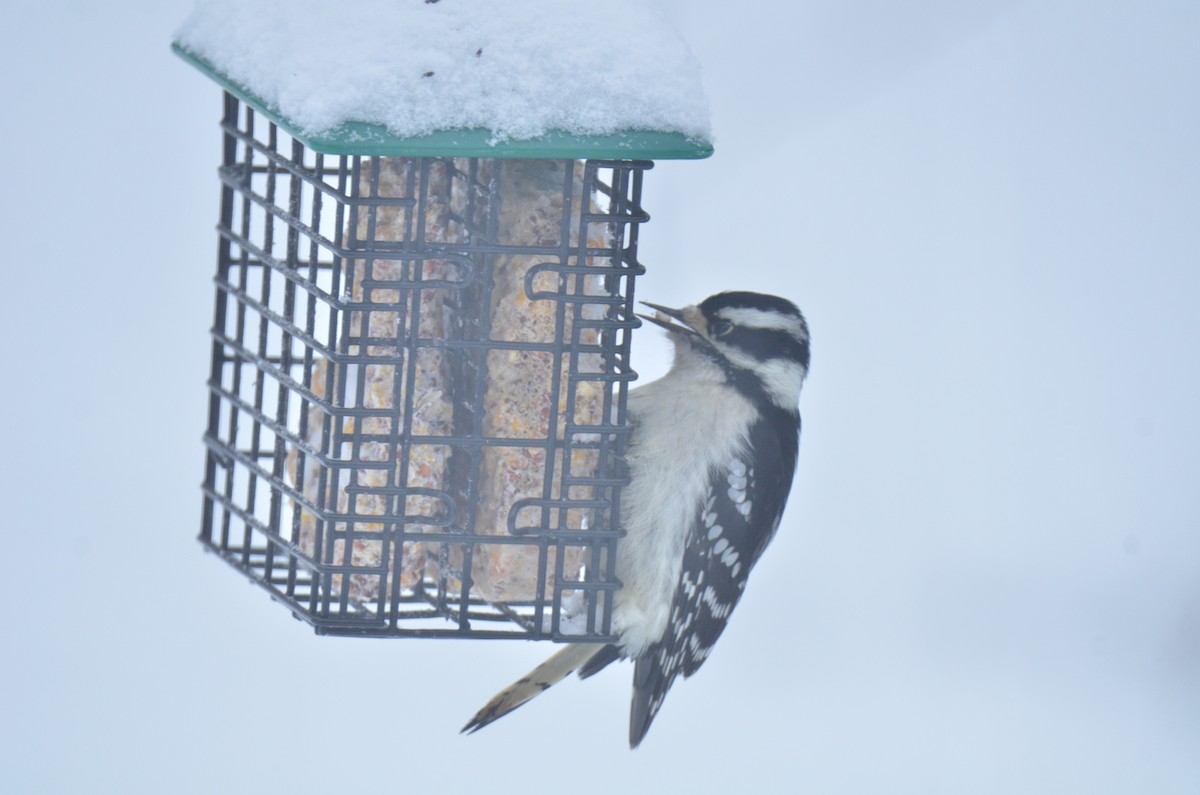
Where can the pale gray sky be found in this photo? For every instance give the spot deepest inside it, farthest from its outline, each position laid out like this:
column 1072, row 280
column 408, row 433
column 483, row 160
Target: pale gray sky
column 988, row 580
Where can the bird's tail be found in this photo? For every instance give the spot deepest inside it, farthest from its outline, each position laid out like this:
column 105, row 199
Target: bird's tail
column 539, row 679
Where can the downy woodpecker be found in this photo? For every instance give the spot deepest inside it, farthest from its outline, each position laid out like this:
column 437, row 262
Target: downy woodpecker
column 710, row 460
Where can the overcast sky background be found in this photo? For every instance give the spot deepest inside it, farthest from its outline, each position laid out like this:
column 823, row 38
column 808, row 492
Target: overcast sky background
column 988, row 580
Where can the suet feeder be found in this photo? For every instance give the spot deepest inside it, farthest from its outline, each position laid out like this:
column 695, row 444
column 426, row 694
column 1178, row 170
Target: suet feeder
column 420, row 359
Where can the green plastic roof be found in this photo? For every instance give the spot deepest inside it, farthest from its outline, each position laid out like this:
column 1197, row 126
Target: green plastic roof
column 374, row 140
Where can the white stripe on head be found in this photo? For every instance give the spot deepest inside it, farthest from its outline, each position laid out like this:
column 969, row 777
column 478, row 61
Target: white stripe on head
column 781, row 378
column 749, row 317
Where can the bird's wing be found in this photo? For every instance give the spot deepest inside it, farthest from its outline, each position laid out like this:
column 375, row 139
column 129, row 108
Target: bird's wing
column 739, row 517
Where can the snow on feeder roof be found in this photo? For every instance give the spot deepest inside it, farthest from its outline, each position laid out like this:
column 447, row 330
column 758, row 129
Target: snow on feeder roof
column 522, row 78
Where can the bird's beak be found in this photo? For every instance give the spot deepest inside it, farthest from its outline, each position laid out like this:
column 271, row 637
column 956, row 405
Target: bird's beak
column 665, row 317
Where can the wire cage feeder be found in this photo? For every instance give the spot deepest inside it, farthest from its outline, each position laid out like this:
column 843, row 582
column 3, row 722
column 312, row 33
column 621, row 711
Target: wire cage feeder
column 420, row 359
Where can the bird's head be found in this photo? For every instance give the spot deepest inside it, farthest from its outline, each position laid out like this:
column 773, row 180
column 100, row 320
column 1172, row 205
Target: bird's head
column 760, row 340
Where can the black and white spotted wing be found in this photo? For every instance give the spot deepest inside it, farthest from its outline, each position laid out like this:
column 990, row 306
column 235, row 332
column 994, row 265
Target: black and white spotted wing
column 740, row 515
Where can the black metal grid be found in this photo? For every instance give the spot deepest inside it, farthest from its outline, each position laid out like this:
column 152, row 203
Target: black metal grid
column 359, row 343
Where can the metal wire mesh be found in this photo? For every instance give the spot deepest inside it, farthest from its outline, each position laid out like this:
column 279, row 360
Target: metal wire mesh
column 418, row 385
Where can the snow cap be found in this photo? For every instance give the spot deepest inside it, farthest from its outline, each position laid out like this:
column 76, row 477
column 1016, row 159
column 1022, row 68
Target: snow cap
column 512, row 69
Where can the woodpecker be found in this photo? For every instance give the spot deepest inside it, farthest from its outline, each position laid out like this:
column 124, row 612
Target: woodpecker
column 710, row 459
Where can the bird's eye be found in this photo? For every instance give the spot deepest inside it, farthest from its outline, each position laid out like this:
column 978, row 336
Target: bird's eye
column 720, row 328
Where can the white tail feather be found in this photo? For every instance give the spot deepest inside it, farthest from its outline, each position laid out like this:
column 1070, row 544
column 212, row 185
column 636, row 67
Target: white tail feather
column 552, row 671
